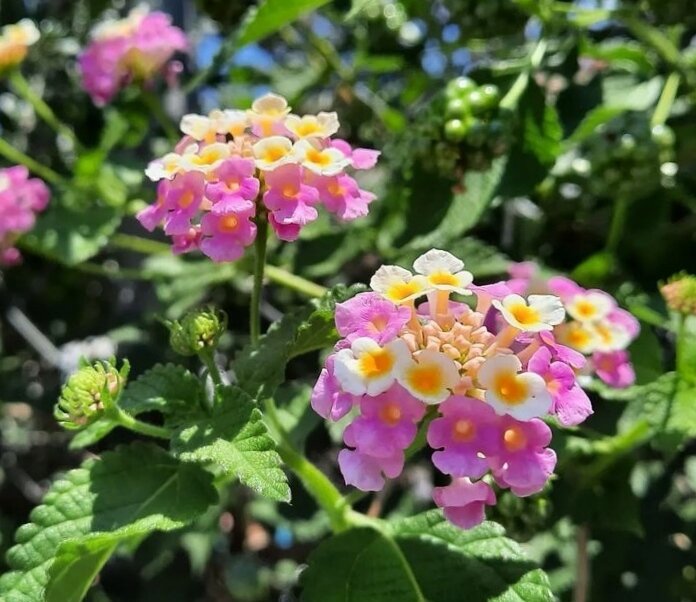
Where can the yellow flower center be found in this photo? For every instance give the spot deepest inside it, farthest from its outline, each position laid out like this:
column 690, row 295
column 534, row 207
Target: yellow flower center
column 524, row 314
column 577, row 336
column 463, row 431
column 307, row 127
column 318, row 157
column 390, row 413
column 514, row 439
column 377, row 363
column 443, row 278
column 186, row 199
column 335, row 188
column 401, row 290
column 228, row 223
column 426, row 379
column 511, row 389
column 290, row 191
column 604, row 333
column 271, row 154
column 379, row 323
column 586, row 309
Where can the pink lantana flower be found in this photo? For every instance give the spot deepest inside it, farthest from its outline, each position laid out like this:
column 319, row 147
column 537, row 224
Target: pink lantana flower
column 343, row 197
column 328, row 399
column 183, row 198
column 524, row 462
column 227, row 229
column 370, row 315
column 288, row 198
column 366, row 472
column 360, row 158
column 463, row 502
column 570, row 403
column 134, row 48
column 614, row 368
column 387, row 423
column 466, row 434
column 235, row 177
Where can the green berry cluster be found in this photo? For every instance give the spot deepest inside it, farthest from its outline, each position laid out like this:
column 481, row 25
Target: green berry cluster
column 198, row 330
column 89, row 392
column 476, row 123
column 625, row 157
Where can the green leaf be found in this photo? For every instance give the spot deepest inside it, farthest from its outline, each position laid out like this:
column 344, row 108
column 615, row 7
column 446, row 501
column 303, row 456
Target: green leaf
column 467, row 207
column 166, row 388
column 631, row 94
column 271, row 15
column 360, row 565
column 592, row 121
column 668, row 404
column 235, row 440
column 423, row 558
column 260, row 369
column 541, row 126
column 72, row 236
column 358, row 6
column 482, row 562
column 128, row 493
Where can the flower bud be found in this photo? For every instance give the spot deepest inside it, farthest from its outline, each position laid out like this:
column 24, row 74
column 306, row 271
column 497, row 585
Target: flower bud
column 198, row 330
column 680, row 293
column 88, row 393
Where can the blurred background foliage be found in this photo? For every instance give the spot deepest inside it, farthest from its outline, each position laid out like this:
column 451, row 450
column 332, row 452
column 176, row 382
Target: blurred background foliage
column 571, row 142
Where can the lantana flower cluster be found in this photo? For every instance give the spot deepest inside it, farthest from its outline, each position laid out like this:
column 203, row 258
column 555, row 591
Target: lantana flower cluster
column 596, row 327
column 123, row 50
column 15, row 41
column 480, row 376
column 21, row 198
column 234, row 166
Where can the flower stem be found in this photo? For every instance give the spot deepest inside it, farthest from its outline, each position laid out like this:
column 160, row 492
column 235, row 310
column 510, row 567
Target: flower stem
column 315, row 482
column 153, row 103
column 259, row 267
column 513, row 95
column 16, row 156
column 297, row 283
column 22, row 88
column 582, row 563
column 144, row 428
column 664, row 104
column 207, row 356
column 618, row 221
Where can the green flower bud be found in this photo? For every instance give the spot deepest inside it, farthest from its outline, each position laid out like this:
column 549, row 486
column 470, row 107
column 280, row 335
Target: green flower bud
column 198, row 330
column 89, row 392
column 680, row 293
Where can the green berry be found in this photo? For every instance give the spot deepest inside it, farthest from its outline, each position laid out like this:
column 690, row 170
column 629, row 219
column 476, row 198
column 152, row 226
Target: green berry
column 478, row 102
column 663, row 135
column 459, row 87
column 456, row 130
column 456, row 108
column 491, row 96
column 478, row 132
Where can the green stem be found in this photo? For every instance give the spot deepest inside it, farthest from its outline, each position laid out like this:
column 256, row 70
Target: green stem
column 664, row 104
column 153, row 103
column 513, row 95
column 653, row 37
column 314, row 481
column 139, row 244
column 618, row 221
column 297, row 283
column 208, row 358
column 144, row 428
column 22, row 88
column 679, row 359
column 259, row 266
column 16, row 156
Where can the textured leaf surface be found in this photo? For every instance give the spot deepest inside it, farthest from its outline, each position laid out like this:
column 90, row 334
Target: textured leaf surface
column 424, row 558
column 477, row 565
column 271, row 15
column 235, row 440
column 166, row 388
column 360, row 565
column 71, row 235
column 467, row 207
column 261, row 369
column 668, row 405
column 129, row 492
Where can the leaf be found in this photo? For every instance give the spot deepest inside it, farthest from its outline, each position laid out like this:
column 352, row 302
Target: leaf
column 592, row 121
column 166, row 388
column 260, row 369
column 360, row 565
column 270, row 16
column 467, row 207
column 357, row 7
column 628, row 93
column 72, row 236
column 668, row 405
column 129, row 492
column 482, row 562
column 235, row 440
column 541, row 126
column 423, row 558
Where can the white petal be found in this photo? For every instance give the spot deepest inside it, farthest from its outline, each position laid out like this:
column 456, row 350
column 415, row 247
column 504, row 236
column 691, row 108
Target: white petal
column 436, row 260
column 493, row 366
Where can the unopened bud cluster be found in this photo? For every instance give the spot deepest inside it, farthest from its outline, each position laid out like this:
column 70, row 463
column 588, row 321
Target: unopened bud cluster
column 680, row 293
column 198, row 330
